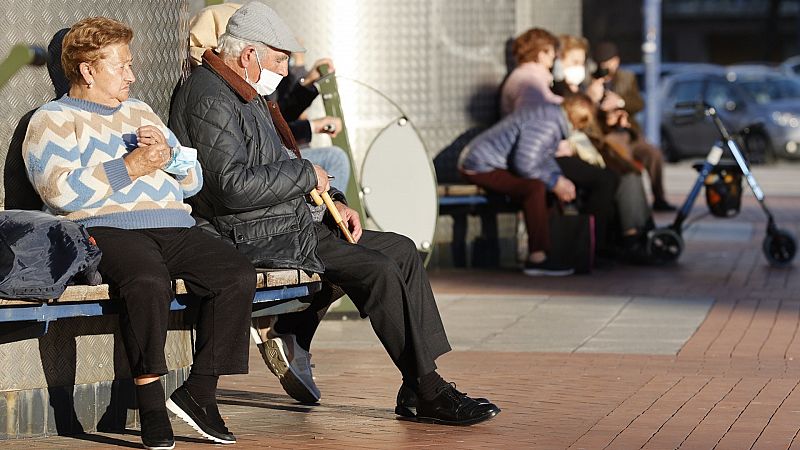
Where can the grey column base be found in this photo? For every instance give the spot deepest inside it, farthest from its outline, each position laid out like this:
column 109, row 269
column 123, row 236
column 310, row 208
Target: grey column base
column 76, row 377
column 101, row 406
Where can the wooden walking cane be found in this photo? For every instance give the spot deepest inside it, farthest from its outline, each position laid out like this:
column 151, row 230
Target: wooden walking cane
column 326, row 198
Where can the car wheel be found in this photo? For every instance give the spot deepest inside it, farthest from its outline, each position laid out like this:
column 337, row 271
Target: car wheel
column 758, row 148
column 667, row 148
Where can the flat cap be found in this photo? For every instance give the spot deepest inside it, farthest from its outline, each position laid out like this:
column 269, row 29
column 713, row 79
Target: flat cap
column 257, row 22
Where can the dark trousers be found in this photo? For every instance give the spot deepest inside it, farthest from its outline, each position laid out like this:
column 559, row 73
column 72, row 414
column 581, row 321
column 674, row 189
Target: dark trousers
column 384, row 276
column 653, row 161
column 600, row 186
column 139, row 266
column 531, row 193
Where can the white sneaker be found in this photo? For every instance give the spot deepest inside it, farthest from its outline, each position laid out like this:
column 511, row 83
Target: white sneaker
column 290, row 363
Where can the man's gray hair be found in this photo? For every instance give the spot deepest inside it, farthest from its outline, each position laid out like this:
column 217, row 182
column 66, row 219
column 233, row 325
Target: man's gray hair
column 232, row 47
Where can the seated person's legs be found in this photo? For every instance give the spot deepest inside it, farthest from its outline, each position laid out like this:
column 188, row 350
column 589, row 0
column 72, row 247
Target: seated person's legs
column 634, row 211
column 139, row 265
column 634, row 216
column 652, row 159
column 601, row 186
column 386, row 280
column 531, row 193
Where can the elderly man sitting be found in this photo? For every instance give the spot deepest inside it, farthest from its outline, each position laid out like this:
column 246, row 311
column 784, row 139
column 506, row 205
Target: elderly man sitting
column 255, row 198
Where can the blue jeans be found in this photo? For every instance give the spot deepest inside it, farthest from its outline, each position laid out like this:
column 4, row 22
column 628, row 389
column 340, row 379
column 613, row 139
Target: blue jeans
column 334, row 160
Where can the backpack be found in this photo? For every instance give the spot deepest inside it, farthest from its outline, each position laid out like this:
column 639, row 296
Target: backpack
column 41, row 254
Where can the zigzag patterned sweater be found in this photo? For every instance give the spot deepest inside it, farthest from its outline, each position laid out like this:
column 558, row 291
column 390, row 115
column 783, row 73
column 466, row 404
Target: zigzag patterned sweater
column 74, row 152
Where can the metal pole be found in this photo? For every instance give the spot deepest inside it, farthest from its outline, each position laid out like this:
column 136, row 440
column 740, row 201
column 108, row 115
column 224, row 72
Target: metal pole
column 651, row 51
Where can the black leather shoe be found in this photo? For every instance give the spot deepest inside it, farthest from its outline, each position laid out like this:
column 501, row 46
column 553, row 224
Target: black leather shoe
column 205, row 420
column 663, row 206
column 156, row 430
column 451, row 407
column 407, row 402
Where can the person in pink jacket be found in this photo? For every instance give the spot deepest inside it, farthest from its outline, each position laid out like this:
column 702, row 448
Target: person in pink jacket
column 529, row 83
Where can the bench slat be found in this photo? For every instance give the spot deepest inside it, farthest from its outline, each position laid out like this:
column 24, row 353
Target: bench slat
column 265, row 279
column 447, row 190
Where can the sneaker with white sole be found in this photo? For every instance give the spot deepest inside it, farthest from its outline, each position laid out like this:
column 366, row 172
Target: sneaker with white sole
column 290, row 363
column 205, row 420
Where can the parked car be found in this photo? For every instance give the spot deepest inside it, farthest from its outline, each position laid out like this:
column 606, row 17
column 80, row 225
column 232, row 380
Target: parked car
column 666, row 69
column 760, row 100
column 791, row 66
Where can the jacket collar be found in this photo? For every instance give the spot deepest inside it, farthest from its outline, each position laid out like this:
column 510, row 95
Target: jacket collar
column 243, row 89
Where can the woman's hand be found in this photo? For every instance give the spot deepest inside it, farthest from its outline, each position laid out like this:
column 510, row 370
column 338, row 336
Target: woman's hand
column 565, row 149
column 149, row 135
column 147, row 159
column 564, row 189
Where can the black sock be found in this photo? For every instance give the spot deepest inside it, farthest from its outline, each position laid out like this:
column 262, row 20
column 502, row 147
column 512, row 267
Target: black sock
column 203, row 388
column 150, row 397
column 411, row 383
column 429, row 385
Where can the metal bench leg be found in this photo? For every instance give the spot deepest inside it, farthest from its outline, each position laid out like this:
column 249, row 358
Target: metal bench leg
column 486, row 249
column 459, row 244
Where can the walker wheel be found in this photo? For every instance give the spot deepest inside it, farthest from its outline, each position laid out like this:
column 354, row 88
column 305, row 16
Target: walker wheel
column 664, row 245
column 779, row 248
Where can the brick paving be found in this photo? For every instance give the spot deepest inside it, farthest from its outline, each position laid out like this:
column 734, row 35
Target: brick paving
column 734, row 384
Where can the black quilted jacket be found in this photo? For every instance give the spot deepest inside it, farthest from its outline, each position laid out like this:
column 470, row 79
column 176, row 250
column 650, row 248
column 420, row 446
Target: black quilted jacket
column 253, row 193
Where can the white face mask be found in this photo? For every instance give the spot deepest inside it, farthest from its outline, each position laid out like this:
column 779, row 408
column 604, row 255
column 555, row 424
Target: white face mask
column 574, row 75
column 268, row 80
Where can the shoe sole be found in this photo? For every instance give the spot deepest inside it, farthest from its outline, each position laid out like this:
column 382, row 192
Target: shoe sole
column 277, row 362
column 159, row 447
column 547, row 273
column 405, row 411
column 489, row 415
column 178, row 411
column 411, row 411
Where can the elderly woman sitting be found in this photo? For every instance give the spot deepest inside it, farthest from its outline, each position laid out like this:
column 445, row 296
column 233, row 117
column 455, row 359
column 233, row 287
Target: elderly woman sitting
column 104, row 160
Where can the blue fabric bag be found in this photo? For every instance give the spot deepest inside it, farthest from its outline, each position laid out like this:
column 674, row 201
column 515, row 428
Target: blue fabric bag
column 41, row 254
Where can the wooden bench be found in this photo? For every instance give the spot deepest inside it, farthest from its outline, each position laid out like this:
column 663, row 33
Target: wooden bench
column 462, row 200
column 277, row 292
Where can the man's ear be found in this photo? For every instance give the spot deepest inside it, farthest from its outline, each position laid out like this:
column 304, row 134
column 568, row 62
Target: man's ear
column 246, row 57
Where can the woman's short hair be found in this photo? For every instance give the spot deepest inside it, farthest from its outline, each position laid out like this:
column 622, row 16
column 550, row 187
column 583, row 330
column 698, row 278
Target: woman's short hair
column 567, row 42
column 86, row 40
column 528, row 45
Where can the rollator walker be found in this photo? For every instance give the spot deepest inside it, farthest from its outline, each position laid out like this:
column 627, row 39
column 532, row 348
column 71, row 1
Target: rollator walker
column 723, row 182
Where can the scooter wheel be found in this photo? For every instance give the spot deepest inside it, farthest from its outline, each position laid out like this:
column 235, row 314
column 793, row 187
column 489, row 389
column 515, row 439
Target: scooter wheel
column 664, row 245
column 779, row 248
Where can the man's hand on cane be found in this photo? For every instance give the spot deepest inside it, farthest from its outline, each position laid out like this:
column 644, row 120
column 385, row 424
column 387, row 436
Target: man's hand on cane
column 347, row 219
column 323, row 181
column 351, row 220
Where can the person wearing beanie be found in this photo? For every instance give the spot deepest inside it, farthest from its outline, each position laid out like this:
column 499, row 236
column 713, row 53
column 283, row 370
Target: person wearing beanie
column 623, row 83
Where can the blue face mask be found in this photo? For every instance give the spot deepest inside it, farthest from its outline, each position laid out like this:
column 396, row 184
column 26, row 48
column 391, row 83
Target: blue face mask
column 183, row 159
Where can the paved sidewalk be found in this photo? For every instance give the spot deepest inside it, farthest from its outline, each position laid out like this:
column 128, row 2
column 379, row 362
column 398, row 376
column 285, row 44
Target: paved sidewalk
column 700, row 355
